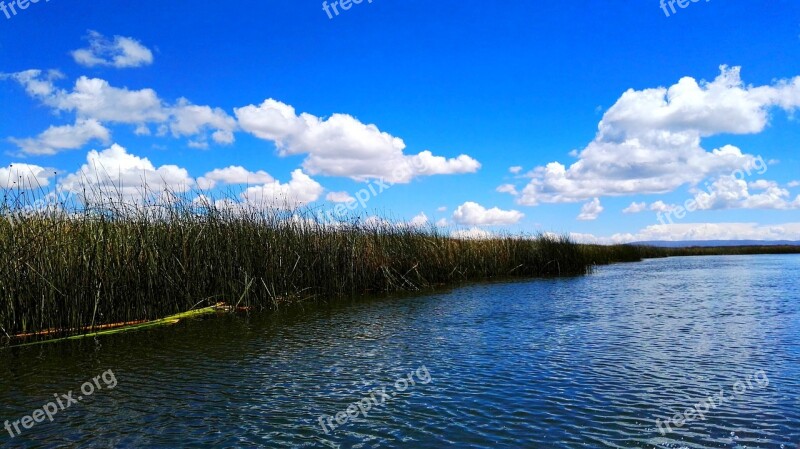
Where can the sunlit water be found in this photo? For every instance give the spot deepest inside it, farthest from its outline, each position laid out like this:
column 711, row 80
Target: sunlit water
column 587, row 362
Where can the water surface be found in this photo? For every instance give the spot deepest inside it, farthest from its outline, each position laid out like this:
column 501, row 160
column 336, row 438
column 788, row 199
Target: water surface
column 588, row 362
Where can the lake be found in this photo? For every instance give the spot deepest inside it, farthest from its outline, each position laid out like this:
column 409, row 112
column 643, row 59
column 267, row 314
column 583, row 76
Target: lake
column 697, row 352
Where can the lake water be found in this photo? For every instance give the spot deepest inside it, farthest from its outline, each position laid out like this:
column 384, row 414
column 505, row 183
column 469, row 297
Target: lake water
column 587, row 362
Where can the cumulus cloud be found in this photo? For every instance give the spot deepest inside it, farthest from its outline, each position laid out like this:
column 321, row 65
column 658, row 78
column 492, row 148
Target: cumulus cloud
column 339, row 197
column 635, row 208
column 341, row 145
column 118, row 175
column 120, row 52
column 67, row 137
column 515, row 169
column 508, row 188
column 471, row 234
column 37, row 83
column 649, row 141
column 115, row 174
column 793, row 184
column 193, row 120
column 729, row 192
column 419, row 221
column 473, row 214
column 300, row 190
column 233, row 175
column 591, row 210
column 660, row 206
column 94, row 99
column 700, row 231
column 24, row 177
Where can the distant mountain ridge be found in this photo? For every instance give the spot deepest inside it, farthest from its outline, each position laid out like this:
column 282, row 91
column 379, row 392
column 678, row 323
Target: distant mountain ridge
column 704, row 243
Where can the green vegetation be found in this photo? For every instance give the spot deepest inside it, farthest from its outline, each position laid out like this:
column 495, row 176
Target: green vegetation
column 110, row 329
column 77, row 268
column 70, row 269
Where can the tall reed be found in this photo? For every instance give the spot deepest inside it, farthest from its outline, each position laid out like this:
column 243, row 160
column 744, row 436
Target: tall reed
column 78, row 265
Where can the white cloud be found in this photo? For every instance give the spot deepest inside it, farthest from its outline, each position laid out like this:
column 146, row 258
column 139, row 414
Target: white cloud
column 142, row 130
column 508, row 188
column 339, row 197
column 471, row 234
column 233, row 175
column 67, row 137
column 419, row 221
column 761, row 184
column 341, row 145
column 192, row 120
column 118, row 175
column 650, row 140
column 473, row 214
column 36, row 83
column 24, row 176
column 729, row 192
column 660, row 206
column 700, row 231
column 96, row 99
column 203, row 201
column 197, row 144
column 377, row 222
column 425, row 163
column 515, row 169
column 793, row 184
column 591, row 210
column 121, row 52
column 442, row 223
column 441, row 209
column 635, row 208
column 300, row 190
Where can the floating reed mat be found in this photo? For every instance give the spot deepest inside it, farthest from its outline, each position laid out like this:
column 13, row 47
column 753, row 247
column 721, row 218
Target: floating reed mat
column 50, row 336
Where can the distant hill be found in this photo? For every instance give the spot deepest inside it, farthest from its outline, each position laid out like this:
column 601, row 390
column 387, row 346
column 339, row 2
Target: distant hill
column 704, row 243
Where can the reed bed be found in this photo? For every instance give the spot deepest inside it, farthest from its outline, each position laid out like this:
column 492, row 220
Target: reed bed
column 72, row 266
column 82, row 266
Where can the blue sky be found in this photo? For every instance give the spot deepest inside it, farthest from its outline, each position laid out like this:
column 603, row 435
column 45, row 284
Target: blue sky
column 176, row 93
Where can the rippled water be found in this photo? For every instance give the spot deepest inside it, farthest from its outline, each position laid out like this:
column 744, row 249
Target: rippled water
column 587, row 362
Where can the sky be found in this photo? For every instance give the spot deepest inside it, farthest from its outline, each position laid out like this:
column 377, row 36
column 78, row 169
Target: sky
column 608, row 121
